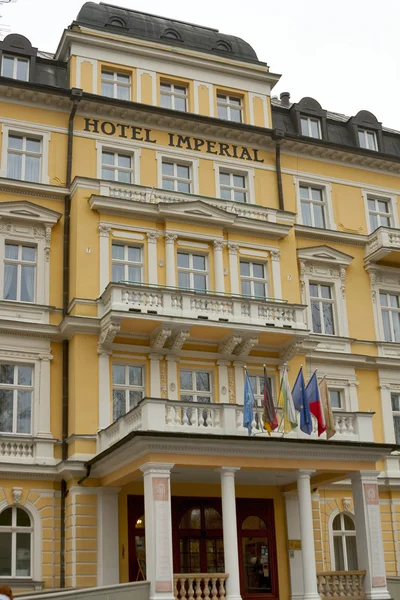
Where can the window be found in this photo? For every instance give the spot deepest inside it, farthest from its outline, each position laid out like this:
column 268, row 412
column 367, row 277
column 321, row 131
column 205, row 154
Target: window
column 253, row 279
column 15, row 543
column 195, row 386
column 310, row 127
column 335, row 397
column 379, row 213
column 176, row 177
column 24, row 156
column 128, row 388
column 322, row 309
column 15, row 67
column 390, row 307
column 117, row 166
column 257, row 385
column 344, row 543
column 395, row 398
column 115, row 85
column 367, row 139
column 192, row 271
column 173, row 96
column 233, row 186
column 19, row 272
column 16, row 387
column 229, row 108
column 127, row 263
column 312, row 206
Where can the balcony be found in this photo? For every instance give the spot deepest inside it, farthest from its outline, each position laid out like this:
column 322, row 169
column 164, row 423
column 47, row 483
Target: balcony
column 171, row 416
column 383, row 245
column 187, row 304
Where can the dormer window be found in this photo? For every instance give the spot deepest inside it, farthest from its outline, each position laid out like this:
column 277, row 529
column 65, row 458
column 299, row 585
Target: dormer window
column 310, row 127
column 223, row 46
column 172, row 34
column 15, row 67
column 367, row 139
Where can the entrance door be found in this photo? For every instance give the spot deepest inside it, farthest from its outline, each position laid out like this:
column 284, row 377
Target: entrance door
column 197, row 535
column 257, row 549
column 136, row 539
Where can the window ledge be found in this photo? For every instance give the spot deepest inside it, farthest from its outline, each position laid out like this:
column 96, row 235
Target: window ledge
column 25, row 311
column 330, row 343
column 330, row 235
column 29, row 188
column 20, row 583
column 389, row 349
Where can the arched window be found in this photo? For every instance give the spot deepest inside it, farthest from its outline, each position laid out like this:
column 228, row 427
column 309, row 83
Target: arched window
column 15, row 543
column 172, row 34
column 224, row 46
column 344, row 543
column 117, row 22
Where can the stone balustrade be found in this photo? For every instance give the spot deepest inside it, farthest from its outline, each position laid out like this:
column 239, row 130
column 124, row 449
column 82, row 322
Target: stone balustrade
column 196, row 586
column 174, row 302
column 16, row 449
column 157, row 414
column 341, row 584
column 382, row 242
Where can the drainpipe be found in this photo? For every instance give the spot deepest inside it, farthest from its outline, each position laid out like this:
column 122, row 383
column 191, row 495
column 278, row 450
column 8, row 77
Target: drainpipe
column 76, row 96
column 277, row 136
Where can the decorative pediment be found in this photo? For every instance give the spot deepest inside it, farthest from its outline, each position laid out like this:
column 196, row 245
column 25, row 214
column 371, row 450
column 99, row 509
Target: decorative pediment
column 324, row 254
column 196, row 210
column 28, row 211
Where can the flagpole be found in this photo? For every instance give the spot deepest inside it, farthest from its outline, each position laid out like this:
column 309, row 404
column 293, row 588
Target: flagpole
column 283, row 412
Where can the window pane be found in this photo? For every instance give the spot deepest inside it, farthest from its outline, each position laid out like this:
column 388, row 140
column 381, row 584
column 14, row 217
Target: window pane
column 6, row 411
column 186, row 380
column 107, row 89
column 167, row 168
column 239, row 181
column 118, row 251
column 118, row 273
column 184, row 280
column 351, row 547
column 15, row 141
column 222, row 112
column 325, row 291
column 180, row 104
column 259, row 290
column 244, row 268
column 135, row 376
column 396, row 326
column 23, row 562
column 304, row 126
column 24, row 375
column 124, row 176
column 135, row 274
column 258, row 271
column 200, row 282
column 10, row 282
column 118, row 374
column 246, row 288
column 395, row 398
column 383, row 299
column 316, row 317
column 107, row 75
column 314, row 128
column 319, row 219
column 14, row 166
column 5, row 554
column 335, row 398
column 224, row 179
column 304, row 192
column 184, row 187
column 32, row 168
column 119, row 407
column 6, row 374
column 348, row 523
column 313, row 290
column 24, row 412
column 23, row 519
column 107, row 158
column 6, row 517
column 361, row 138
column 386, row 326
column 371, row 204
column 27, row 284
column 383, row 206
column 373, row 219
column 253, row 383
column 371, row 140
column 11, row 251
column 28, row 253
column 339, row 558
column 134, row 254
column 226, row 194
column 328, row 319
column 33, row 145
column 396, row 423
column 165, row 101
column 8, row 66
column 236, row 115
column 22, row 70
column 168, row 184
column 203, row 382
column 124, row 160
column 183, row 171
column 183, row 260
column 393, row 301
column 135, row 397
column 108, row 174
column 199, row 262
column 123, row 78
column 239, row 196
column 316, row 194
column 123, row 93
column 306, row 213
column 385, row 221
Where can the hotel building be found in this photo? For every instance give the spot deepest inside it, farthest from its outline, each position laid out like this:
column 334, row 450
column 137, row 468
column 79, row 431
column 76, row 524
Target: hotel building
column 165, row 222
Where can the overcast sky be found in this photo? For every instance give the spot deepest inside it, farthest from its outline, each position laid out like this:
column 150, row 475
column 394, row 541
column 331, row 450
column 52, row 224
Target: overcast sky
column 344, row 53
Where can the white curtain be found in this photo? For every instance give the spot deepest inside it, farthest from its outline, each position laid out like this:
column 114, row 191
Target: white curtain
column 27, row 284
column 10, row 282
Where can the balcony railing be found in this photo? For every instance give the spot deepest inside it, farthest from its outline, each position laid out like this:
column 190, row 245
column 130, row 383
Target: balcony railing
column 341, row 584
column 207, row 586
column 156, row 414
column 382, row 242
column 211, row 306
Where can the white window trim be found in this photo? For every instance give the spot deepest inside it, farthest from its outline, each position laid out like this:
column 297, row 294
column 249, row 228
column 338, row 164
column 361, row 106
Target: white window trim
column 389, row 383
column 380, row 195
column 339, row 317
column 126, row 262
column 228, row 105
column 309, row 118
column 231, row 167
column 115, row 82
column 36, row 540
column 38, row 133
column 15, row 387
column 253, row 279
column 15, row 66
column 188, row 392
column 192, row 163
column 321, row 302
column 365, row 131
column 385, row 280
column 326, row 194
column 191, row 270
column 122, row 148
column 119, row 361
column 332, row 516
column 172, row 94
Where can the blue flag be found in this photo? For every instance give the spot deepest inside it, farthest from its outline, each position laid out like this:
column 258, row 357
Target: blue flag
column 248, row 403
column 300, row 400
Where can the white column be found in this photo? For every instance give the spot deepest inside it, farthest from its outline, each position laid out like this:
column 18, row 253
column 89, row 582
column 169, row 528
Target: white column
column 223, row 380
column 172, row 362
column 293, row 531
column 107, row 537
column 276, row 272
column 234, row 268
column 369, row 533
column 155, row 381
column 157, row 512
column 44, row 429
column 170, row 273
column 219, row 266
column 104, row 256
column 239, row 381
column 152, row 273
column 104, row 389
column 231, row 554
column 307, row 536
